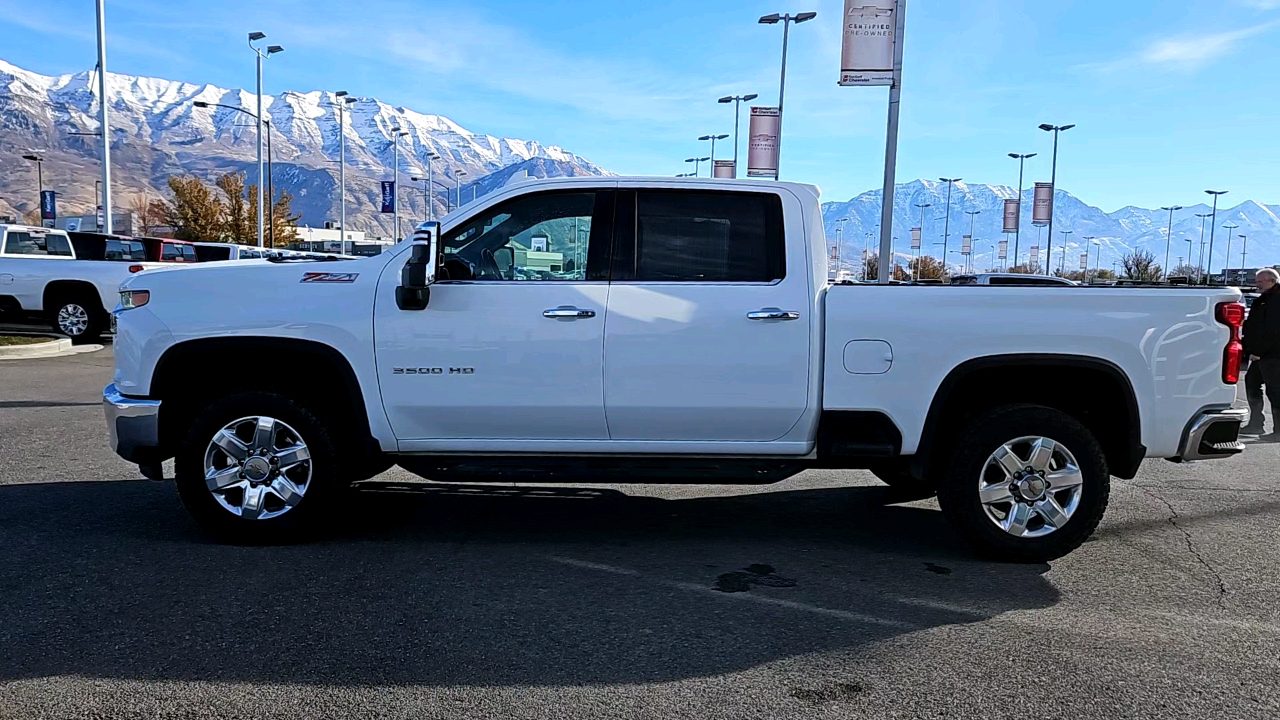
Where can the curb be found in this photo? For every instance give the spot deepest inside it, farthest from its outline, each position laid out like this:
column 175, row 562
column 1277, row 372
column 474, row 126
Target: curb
column 51, row 348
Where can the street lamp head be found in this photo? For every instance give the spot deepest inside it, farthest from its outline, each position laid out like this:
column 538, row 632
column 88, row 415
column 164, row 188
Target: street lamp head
column 1216, row 192
column 350, row 100
column 722, row 136
column 1065, row 128
column 256, row 36
column 950, row 180
column 1046, row 127
column 726, row 99
column 805, row 16
column 771, row 19
column 340, row 93
column 273, row 49
column 691, row 159
column 748, row 98
column 33, row 158
column 705, row 137
column 200, row 104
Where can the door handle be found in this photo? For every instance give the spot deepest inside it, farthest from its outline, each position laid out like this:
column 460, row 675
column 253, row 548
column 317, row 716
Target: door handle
column 773, row 314
column 568, row 312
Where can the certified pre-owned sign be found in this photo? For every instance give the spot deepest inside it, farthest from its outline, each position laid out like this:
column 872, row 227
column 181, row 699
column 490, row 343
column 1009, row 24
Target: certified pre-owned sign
column 328, row 277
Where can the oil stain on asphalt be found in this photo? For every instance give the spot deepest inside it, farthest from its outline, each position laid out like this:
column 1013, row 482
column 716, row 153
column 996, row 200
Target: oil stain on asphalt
column 756, row 574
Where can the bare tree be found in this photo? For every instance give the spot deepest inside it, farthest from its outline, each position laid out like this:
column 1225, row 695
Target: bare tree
column 150, row 214
column 1141, row 265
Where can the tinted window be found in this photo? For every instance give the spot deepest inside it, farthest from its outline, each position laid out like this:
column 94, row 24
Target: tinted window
column 548, row 236
column 708, row 237
column 126, row 250
column 170, row 251
column 188, row 253
column 25, row 243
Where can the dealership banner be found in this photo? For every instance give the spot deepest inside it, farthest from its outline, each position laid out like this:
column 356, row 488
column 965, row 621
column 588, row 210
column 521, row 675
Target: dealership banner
column 388, row 196
column 1042, row 205
column 966, row 244
column 762, row 142
column 1084, row 261
column 1035, row 255
column 724, row 169
column 1004, row 249
column 915, row 238
column 48, row 205
column 1012, row 210
column 866, row 52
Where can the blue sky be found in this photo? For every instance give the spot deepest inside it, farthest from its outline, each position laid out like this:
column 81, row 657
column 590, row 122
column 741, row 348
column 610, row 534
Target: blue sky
column 1170, row 97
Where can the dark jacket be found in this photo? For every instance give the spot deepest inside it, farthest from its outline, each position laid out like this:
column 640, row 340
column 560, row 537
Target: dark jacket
column 1262, row 327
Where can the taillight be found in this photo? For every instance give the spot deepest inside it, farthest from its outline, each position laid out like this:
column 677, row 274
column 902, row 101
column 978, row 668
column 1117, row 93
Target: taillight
column 136, row 268
column 1231, row 314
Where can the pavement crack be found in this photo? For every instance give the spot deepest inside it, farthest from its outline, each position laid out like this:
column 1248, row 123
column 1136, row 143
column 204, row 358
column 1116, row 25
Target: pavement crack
column 1191, row 546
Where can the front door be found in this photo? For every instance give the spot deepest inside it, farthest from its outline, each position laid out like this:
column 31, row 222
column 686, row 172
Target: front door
column 709, row 319
column 510, row 345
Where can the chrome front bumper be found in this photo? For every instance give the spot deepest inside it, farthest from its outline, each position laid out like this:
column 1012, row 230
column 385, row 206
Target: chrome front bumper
column 1214, row 434
column 132, row 423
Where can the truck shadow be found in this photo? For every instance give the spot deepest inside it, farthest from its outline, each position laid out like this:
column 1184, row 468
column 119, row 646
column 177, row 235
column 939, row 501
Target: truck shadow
column 480, row 585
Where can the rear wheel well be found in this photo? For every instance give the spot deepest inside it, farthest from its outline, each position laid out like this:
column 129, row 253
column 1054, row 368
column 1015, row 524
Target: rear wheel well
column 192, row 375
column 1095, row 392
column 61, row 290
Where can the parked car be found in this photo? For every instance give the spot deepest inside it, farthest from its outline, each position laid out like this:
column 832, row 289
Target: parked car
column 699, row 341
column 214, row 252
column 100, row 246
column 1010, row 279
column 42, row 275
column 168, row 250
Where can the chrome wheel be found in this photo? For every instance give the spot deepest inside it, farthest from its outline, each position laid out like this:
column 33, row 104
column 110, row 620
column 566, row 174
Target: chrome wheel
column 73, row 319
column 1030, row 487
column 257, row 468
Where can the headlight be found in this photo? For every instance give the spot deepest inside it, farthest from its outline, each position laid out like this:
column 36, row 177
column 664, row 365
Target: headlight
column 130, row 299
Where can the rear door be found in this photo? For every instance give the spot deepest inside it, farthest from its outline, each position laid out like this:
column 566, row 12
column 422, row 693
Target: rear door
column 707, row 338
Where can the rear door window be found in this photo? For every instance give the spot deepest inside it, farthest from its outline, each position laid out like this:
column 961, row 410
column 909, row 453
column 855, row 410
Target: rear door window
column 37, row 244
column 701, row 237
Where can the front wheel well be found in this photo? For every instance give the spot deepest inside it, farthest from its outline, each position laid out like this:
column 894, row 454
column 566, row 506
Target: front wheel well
column 1095, row 392
column 192, row 375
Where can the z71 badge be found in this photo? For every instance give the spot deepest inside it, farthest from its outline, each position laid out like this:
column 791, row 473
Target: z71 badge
column 328, row 277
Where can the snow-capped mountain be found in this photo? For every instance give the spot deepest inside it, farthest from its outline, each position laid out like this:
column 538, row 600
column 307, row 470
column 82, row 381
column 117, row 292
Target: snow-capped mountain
column 1115, row 233
column 158, row 131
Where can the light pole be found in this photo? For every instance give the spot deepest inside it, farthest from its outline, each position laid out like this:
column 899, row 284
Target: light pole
column 1244, row 253
column 1230, row 228
column 1199, row 273
column 1189, row 256
column 922, row 206
column 1168, row 237
column 270, row 192
column 39, row 161
column 946, row 226
column 839, row 239
column 343, row 101
column 1017, row 229
column 1065, row 234
column 786, row 21
column 432, row 156
column 271, row 50
column 103, row 121
column 1212, row 226
column 1053, row 175
column 697, row 164
column 737, row 101
column 457, row 184
column 973, row 214
column 713, row 139
column 396, row 134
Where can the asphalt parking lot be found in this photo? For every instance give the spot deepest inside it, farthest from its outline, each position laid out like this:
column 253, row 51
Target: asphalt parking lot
column 817, row 597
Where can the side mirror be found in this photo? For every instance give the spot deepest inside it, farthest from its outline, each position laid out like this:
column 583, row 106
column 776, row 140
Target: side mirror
column 419, row 271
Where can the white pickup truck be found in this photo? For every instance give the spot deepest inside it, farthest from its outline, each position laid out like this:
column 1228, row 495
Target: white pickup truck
column 40, row 274
column 657, row 330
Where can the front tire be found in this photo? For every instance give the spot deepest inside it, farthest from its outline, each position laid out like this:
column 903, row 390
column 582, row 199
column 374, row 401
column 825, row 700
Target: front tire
column 1025, row 483
column 258, row 467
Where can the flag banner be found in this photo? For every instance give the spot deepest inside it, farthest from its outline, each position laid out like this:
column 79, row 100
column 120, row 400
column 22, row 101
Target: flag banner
column 388, row 196
column 1035, row 256
column 1004, row 250
column 762, row 142
column 1084, row 261
column 724, row 169
column 866, row 51
column 966, row 244
column 1012, row 210
column 915, row 238
column 1042, row 205
column 48, row 205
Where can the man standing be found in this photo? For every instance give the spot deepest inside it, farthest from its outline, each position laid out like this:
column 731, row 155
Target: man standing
column 1262, row 345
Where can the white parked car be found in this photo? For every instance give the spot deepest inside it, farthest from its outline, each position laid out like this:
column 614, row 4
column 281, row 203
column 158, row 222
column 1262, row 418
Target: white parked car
column 41, row 274
column 690, row 334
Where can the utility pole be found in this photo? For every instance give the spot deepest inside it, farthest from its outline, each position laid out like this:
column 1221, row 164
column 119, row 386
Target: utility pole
column 1053, row 177
column 103, row 118
column 1017, row 230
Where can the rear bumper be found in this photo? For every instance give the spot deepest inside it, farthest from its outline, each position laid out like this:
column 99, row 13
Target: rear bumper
column 132, row 423
column 1213, row 434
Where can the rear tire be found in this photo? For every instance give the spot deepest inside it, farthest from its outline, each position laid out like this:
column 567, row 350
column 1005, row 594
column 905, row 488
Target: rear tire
column 79, row 318
column 1025, row 483
column 288, row 480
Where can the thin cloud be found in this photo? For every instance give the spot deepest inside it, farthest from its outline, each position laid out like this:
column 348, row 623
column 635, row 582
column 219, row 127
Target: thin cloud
column 1185, row 52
